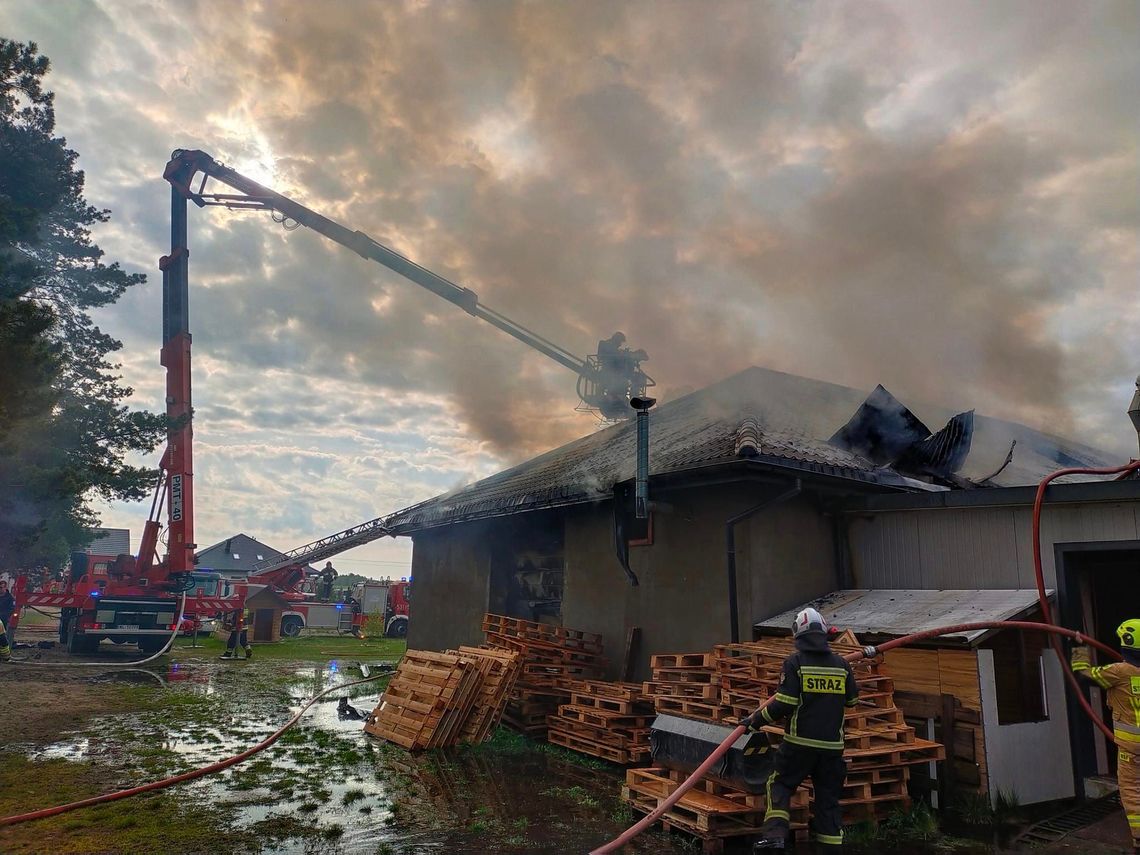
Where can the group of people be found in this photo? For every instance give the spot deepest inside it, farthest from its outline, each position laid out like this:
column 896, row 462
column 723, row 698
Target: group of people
column 817, row 685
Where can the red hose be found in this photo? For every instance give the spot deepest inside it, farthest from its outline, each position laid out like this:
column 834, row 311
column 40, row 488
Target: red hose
column 185, row 776
column 1038, row 501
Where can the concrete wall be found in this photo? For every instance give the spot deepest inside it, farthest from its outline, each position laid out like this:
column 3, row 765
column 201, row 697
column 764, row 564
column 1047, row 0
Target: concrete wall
column 1043, row 746
column 976, row 547
column 784, row 557
column 450, row 570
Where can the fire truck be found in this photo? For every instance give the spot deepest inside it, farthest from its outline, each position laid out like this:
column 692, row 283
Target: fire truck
column 138, row 597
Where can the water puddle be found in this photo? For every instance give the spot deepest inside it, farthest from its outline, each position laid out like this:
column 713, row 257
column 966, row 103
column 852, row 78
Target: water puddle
column 327, row 786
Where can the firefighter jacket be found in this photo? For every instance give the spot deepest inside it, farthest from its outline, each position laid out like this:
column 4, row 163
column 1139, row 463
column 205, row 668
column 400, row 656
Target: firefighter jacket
column 1121, row 680
column 238, row 619
column 816, row 687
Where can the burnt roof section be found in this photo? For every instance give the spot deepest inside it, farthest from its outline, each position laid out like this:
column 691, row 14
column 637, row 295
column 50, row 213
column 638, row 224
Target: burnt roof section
column 942, row 454
column 881, row 429
column 791, row 420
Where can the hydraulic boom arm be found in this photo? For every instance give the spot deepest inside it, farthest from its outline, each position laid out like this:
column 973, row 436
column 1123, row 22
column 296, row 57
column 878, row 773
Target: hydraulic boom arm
column 606, row 382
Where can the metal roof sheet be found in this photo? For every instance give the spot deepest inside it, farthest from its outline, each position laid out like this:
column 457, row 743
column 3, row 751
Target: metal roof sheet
column 794, row 417
column 900, row 612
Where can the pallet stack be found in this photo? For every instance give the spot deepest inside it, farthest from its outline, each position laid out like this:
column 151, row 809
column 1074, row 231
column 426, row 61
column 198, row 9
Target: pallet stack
column 439, row 699
column 554, row 659
column 606, row 720
column 880, row 746
column 686, row 684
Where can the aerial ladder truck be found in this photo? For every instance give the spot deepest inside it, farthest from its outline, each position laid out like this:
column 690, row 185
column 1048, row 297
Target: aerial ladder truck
column 134, row 598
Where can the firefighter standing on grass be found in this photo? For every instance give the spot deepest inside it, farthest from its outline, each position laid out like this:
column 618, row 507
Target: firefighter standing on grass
column 816, row 687
column 7, row 608
column 1121, row 680
column 236, row 622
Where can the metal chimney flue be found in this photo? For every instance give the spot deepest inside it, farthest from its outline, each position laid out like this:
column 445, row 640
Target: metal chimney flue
column 1134, row 411
column 641, row 497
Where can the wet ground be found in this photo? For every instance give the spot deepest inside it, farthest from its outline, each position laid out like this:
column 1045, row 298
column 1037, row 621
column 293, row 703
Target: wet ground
column 325, row 786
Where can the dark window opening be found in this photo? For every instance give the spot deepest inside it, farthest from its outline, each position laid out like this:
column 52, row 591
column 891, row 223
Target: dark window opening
column 1019, row 676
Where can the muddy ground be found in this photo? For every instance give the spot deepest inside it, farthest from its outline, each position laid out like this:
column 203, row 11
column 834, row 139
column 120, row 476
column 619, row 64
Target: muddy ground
column 72, row 733
column 324, row 787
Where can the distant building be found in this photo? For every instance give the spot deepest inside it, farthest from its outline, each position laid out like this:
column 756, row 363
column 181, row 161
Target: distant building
column 236, row 556
column 110, row 541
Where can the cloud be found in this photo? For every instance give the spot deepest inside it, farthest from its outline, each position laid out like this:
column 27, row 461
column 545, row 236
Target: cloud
column 941, row 200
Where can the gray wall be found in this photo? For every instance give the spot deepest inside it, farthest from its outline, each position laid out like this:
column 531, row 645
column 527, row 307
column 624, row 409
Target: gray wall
column 784, row 557
column 976, row 547
column 450, row 569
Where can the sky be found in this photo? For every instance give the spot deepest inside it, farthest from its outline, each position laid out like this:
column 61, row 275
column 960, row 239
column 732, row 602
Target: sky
column 941, row 197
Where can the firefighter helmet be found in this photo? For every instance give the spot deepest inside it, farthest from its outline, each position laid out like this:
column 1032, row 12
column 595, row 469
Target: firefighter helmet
column 1129, row 634
column 808, row 620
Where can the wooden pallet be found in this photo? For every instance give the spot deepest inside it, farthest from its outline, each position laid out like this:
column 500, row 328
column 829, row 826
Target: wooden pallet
column 499, row 670
column 708, row 691
column 681, row 660
column 576, row 742
column 636, row 706
column 705, row 710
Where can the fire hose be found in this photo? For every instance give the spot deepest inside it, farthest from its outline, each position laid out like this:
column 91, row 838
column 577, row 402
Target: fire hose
column 200, row 772
column 1055, row 634
column 133, row 664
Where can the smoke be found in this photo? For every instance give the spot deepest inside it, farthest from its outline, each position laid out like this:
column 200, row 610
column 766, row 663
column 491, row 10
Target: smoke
column 868, row 193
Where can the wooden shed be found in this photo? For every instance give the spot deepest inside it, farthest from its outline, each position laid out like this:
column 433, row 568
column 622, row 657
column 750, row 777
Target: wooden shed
column 266, row 608
column 995, row 698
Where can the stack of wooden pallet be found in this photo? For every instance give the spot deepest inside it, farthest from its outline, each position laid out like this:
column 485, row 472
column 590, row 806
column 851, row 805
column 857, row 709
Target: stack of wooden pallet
column 438, row 699
column 554, row 660
column 875, row 732
column 686, row 684
column 880, row 746
column 607, row 720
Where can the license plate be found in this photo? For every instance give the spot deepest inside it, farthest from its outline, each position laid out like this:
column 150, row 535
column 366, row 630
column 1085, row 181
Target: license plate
column 134, row 626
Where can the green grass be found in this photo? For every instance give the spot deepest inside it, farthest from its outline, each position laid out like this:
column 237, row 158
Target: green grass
column 309, row 649
column 162, row 822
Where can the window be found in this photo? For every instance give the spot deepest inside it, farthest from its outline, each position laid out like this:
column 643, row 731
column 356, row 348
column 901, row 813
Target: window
column 1019, row 676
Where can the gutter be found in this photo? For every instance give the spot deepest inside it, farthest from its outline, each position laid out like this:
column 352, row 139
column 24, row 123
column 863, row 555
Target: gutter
column 730, row 550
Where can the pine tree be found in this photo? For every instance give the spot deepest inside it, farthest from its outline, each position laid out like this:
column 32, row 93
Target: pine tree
column 64, row 429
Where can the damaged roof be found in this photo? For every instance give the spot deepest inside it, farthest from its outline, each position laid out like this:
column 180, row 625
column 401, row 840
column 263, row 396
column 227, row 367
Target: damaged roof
column 884, row 612
column 767, row 417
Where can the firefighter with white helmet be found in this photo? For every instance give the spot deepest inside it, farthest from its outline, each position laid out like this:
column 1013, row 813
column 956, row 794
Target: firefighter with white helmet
column 816, row 687
column 1121, row 682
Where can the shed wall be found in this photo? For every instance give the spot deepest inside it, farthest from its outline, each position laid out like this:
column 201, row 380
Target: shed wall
column 976, row 547
column 1011, row 749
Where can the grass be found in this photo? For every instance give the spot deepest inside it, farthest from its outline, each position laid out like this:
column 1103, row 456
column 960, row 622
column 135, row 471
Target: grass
column 307, row 649
column 162, row 822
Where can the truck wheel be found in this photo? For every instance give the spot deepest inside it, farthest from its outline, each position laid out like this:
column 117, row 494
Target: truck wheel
column 78, row 643
column 398, row 628
column 64, row 628
column 291, row 626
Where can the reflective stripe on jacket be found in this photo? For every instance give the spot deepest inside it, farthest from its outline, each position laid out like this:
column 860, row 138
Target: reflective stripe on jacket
column 816, row 686
column 1121, row 682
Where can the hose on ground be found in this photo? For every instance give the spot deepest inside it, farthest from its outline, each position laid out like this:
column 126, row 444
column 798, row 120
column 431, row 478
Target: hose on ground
column 132, row 664
column 1055, row 634
column 200, row 772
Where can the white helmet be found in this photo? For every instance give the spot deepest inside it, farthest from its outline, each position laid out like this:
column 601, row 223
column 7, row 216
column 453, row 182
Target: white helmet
column 808, row 620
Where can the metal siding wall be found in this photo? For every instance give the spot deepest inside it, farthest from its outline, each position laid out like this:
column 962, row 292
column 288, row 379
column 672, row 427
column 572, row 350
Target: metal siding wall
column 976, row 548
